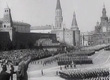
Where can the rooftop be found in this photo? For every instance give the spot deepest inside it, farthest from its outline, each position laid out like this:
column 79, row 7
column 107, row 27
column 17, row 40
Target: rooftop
column 46, row 27
column 17, row 23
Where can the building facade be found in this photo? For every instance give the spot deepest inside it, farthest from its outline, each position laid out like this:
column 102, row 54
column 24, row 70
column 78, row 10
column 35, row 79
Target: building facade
column 87, row 38
column 6, row 23
column 102, row 30
column 104, row 24
column 71, row 36
column 17, row 35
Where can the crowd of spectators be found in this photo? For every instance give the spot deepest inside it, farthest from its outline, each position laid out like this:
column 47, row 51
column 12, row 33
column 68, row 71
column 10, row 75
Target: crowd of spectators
column 15, row 56
column 21, row 59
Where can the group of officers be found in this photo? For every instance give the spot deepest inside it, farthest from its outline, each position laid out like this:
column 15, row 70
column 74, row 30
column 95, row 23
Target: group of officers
column 92, row 74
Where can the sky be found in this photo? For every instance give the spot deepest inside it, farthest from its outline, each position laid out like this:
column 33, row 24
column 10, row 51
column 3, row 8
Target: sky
column 42, row 12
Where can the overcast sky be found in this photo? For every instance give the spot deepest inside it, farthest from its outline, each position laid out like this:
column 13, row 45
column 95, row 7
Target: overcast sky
column 42, row 12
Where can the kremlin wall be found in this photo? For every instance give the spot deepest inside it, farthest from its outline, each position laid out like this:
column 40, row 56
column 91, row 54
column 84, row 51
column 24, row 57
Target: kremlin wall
column 17, row 35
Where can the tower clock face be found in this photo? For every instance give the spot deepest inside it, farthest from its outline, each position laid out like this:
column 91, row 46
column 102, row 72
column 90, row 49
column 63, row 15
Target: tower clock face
column 104, row 29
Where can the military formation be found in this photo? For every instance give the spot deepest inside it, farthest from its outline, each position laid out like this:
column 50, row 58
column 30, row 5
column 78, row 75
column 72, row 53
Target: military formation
column 69, row 58
column 86, row 74
column 96, row 47
column 83, row 74
column 75, row 59
column 82, row 53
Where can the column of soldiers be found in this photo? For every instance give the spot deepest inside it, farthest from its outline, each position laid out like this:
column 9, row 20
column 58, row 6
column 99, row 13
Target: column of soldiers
column 96, row 47
column 68, row 59
column 82, row 53
column 92, row 74
column 76, row 59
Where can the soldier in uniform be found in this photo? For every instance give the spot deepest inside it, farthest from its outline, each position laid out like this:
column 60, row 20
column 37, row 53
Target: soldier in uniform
column 22, row 69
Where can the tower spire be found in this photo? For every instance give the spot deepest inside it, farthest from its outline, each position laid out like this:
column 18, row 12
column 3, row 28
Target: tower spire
column 104, row 11
column 7, row 5
column 74, row 21
column 103, row 5
column 58, row 6
column 104, row 16
column 58, row 16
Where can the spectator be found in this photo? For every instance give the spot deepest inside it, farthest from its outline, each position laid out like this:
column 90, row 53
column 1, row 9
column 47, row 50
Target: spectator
column 22, row 69
column 12, row 71
column 4, row 75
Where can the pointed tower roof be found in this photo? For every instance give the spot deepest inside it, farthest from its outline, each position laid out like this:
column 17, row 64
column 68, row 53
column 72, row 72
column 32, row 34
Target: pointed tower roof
column 74, row 22
column 6, row 5
column 58, row 6
column 104, row 11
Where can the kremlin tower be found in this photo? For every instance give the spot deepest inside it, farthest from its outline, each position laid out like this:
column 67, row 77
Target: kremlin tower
column 64, row 35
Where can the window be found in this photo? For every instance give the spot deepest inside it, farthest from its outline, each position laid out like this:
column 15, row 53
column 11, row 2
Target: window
column 104, row 29
column 4, row 26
